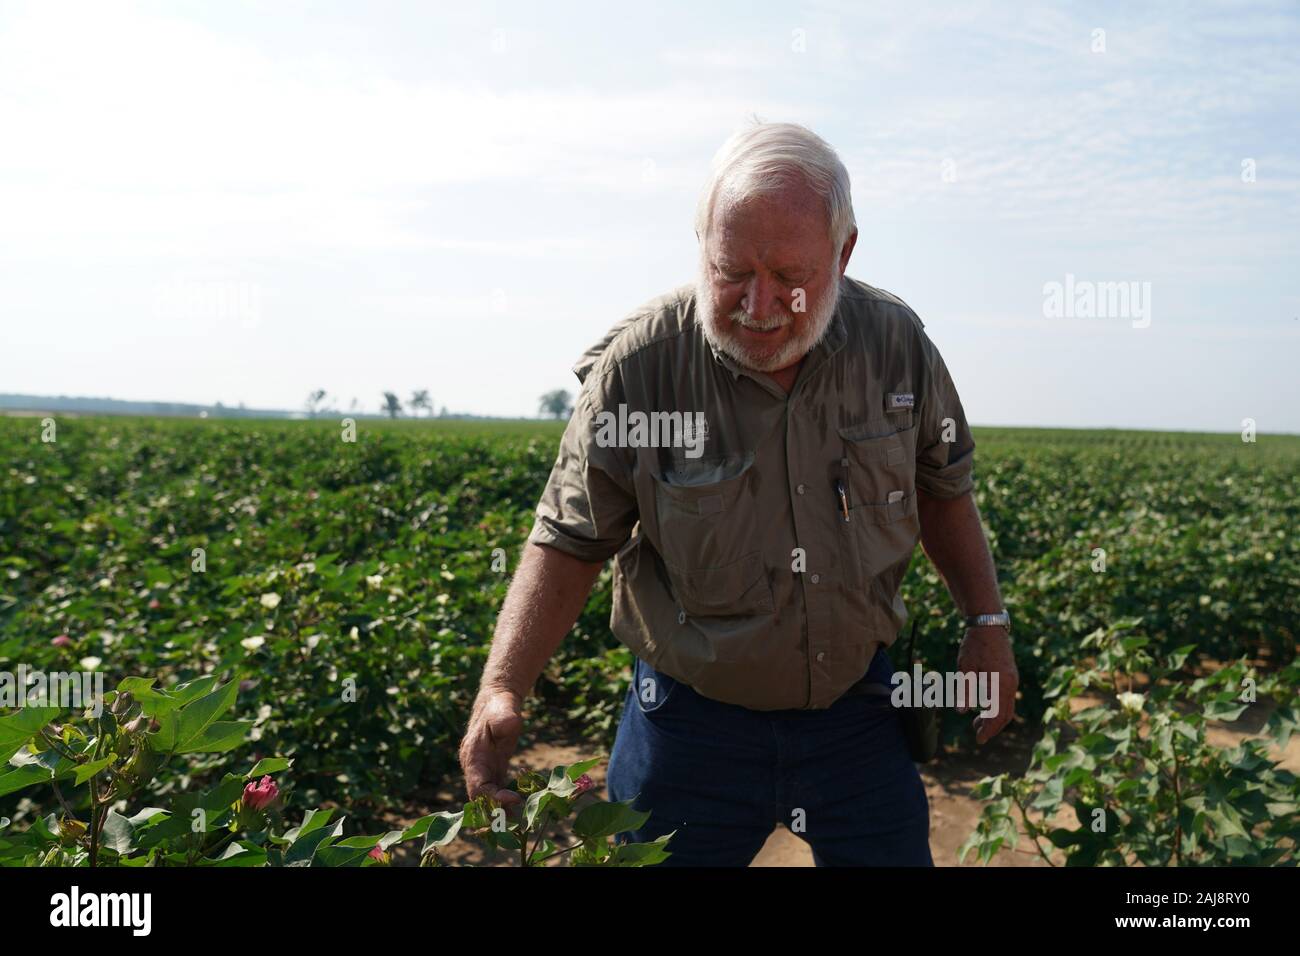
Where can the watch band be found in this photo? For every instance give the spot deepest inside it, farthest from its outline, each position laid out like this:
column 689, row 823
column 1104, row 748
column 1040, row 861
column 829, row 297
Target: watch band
column 1000, row 619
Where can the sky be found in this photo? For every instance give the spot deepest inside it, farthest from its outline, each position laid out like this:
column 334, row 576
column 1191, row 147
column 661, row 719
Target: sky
column 245, row 201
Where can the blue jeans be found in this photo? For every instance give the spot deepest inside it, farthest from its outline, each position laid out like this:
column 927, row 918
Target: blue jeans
column 722, row 776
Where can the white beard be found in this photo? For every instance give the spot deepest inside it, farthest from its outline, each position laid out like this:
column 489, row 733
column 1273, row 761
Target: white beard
column 718, row 330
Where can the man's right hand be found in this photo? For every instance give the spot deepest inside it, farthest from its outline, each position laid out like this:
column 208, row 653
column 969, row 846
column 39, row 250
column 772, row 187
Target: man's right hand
column 494, row 728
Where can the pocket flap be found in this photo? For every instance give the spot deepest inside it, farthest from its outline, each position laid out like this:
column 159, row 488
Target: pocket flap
column 734, row 589
column 877, row 440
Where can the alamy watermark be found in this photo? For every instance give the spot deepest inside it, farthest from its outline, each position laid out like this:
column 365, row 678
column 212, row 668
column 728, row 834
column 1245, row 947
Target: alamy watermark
column 75, row 908
column 637, row 429
column 959, row 689
column 1084, row 299
column 209, row 301
column 69, row 690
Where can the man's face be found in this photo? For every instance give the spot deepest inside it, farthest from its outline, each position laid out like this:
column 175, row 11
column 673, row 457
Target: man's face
column 755, row 259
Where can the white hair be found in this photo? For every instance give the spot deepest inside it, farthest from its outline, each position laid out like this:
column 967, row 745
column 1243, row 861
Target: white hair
column 761, row 158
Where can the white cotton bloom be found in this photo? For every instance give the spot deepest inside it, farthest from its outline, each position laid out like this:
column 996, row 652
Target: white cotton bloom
column 1131, row 702
column 90, row 663
column 252, row 643
column 375, row 580
column 270, row 600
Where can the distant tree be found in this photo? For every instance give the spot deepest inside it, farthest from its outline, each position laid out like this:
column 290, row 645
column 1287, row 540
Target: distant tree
column 392, row 405
column 557, row 404
column 355, row 406
column 314, row 401
column 442, row 412
column 421, row 399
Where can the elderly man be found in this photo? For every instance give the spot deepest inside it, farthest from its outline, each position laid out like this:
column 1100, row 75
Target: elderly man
column 759, row 542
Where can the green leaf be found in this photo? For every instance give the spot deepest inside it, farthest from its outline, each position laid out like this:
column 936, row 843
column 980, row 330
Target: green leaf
column 18, row 728
column 164, row 739
column 1226, row 710
column 340, row 855
column 642, row 854
column 269, row 765
column 87, row 770
column 118, row 834
column 35, row 769
column 309, row 842
column 218, row 737
column 578, row 769
column 242, row 854
column 1051, row 796
column 1063, row 838
column 196, row 716
column 314, row 820
column 542, row 805
column 440, row 829
column 606, row 819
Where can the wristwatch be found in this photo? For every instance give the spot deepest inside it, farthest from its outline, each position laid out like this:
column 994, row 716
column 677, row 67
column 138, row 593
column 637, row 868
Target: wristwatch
column 1000, row 619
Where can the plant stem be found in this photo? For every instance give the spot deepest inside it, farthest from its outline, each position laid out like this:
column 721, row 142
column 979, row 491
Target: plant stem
column 1178, row 813
column 563, row 849
column 58, row 795
column 219, row 844
column 1031, row 829
column 95, row 812
column 56, row 746
column 94, row 825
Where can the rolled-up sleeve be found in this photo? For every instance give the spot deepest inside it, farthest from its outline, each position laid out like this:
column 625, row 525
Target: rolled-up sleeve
column 945, row 449
column 589, row 507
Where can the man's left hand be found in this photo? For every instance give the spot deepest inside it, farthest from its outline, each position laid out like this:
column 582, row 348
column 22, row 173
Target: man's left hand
column 987, row 650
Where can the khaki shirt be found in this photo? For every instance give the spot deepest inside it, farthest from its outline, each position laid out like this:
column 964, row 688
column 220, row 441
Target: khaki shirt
column 735, row 569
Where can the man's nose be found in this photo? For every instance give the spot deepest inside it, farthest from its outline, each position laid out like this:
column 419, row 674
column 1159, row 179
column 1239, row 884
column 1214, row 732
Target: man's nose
column 762, row 298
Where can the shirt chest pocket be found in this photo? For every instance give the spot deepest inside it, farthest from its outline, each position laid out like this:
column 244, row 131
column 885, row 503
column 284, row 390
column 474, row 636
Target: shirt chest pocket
column 879, row 466
column 708, row 538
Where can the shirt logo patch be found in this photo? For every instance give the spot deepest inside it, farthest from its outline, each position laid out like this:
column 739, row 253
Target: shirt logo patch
column 900, row 400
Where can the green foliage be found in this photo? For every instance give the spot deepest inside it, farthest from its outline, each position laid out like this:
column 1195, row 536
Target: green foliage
column 550, row 800
column 1198, row 533
column 1136, row 768
column 95, row 763
column 349, row 590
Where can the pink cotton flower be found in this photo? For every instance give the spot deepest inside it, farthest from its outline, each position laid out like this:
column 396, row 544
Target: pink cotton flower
column 259, row 796
column 61, row 641
column 154, row 605
column 583, row 784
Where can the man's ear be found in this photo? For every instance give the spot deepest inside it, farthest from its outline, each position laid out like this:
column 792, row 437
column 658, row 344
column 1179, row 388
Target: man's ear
column 848, row 250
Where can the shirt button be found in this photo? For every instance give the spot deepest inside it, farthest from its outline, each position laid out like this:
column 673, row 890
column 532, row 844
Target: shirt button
column 800, row 488
column 816, row 579
column 681, row 617
column 821, row 656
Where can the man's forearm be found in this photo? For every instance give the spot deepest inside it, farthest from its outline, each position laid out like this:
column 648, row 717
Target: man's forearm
column 546, row 596
column 953, row 539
